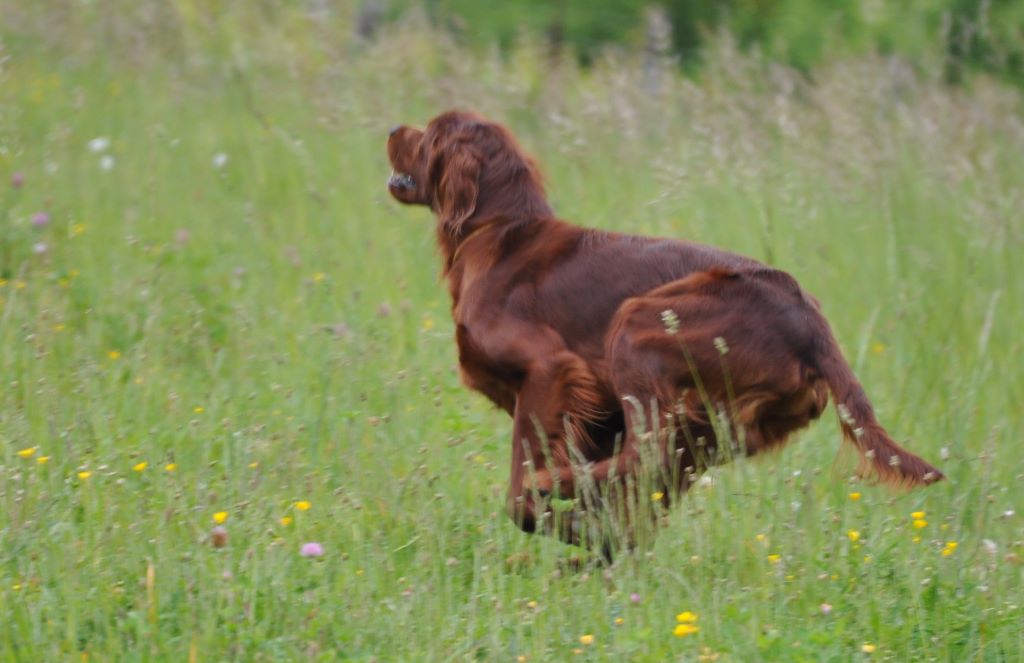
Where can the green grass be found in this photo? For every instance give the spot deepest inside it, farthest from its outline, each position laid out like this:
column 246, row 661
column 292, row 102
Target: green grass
column 276, row 328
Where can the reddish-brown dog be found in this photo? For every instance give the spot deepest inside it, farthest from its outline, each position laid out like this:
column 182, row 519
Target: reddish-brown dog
column 590, row 338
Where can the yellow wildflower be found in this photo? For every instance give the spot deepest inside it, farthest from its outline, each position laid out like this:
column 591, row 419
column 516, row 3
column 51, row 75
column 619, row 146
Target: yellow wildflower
column 948, row 550
column 140, row 467
column 84, row 474
column 683, row 630
column 868, row 648
column 303, row 505
column 586, row 639
column 199, row 409
column 619, row 621
column 916, row 539
column 286, row 521
column 114, row 355
column 28, row 452
column 220, row 517
column 774, row 559
column 253, row 465
column 917, row 515
column 686, row 617
column 854, row 497
column 878, row 348
column 920, row 523
column 77, row 229
column 657, row 495
column 170, row 467
column 853, row 535
column 43, row 460
column 532, row 605
column 318, row 277
column 58, row 327
column 761, row 538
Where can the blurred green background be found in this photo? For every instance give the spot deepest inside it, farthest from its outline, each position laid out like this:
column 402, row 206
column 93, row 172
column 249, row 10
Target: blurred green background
column 981, row 34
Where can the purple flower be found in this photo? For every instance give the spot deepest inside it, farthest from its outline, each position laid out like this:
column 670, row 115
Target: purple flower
column 40, row 248
column 17, row 179
column 311, row 549
column 40, row 219
column 634, row 598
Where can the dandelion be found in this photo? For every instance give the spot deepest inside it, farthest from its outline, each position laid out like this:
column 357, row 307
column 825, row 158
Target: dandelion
column 199, row 409
column 114, row 355
column 683, row 630
column 657, row 495
column 220, row 517
column 920, row 523
column 285, row 521
column 853, row 535
column 311, row 549
column 428, row 323
column 949, row 549
column 43, row 460
column 303, row 505
column 854, row 497
column 140, row 467
column 918, row 515
column 532, row 605
column 878, row 348
column 40, row 219
column 28, row 452
column 319, row 277
column 686, row 617
column 170, row 467
column 587, row 639
column 774, row 559
column 99, row 144
column 761, row 538
column 78, row 229
column 254, row 464
column 84, row 474
column 868, row 648
column 619, row 621
column 916, row 539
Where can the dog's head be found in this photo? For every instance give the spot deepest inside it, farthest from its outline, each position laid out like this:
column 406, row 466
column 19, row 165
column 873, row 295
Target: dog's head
column 462, row 167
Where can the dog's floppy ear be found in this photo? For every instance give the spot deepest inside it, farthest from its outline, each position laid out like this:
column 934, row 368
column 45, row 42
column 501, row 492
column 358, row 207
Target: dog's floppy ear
column 455, row 171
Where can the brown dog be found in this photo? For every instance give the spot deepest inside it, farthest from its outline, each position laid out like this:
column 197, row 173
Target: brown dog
column 590, row 339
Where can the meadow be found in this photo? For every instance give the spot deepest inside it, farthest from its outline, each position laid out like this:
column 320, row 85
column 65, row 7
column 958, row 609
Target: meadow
column 213, row 315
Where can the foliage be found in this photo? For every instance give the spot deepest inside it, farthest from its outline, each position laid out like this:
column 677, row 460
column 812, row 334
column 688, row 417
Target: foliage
column 980, row 34
column 217, row 318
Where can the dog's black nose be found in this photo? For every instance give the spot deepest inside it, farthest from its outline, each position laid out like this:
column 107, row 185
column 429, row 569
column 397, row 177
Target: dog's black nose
column 394, row 129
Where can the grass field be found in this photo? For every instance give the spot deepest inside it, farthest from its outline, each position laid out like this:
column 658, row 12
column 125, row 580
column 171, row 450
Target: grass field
column 210, row 308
